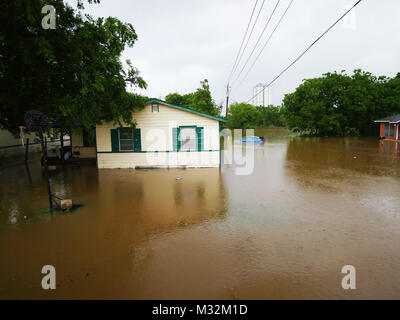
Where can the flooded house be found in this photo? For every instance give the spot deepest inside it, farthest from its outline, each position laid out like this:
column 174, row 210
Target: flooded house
column 165, row 136
column 389, row 127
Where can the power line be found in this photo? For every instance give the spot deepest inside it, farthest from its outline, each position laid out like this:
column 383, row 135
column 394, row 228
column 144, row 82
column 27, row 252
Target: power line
column 244, row 37
column 258, row 40
column 276, row 27
column 248, row 39
column 312, row 44
column 245, row 46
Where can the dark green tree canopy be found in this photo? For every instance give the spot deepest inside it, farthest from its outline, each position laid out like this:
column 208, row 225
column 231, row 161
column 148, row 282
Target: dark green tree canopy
column 199, row 100
column 271, row 116
column 337, row 104
column 247, row 116
column 73, row 73
column 243, row 115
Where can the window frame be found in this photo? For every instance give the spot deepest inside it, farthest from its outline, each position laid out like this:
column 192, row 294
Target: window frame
column 155, row 105
column 119, row 139
column 180, row 141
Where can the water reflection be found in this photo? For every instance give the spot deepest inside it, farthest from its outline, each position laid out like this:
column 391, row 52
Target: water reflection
column 363, row 155
column 157, row 199
column 390, row 149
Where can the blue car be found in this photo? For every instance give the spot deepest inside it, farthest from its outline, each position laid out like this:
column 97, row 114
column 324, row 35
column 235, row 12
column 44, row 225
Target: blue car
column 253, row 139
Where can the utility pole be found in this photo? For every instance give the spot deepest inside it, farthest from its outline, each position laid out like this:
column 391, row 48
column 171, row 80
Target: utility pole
column 227, row 99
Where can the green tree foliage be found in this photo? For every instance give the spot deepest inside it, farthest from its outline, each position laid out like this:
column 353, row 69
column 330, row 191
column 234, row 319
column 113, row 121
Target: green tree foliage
column 337, row 104
column 270, row 116
column 199, row 100
column 243, row 116
column 73, row 73
column 247, row 116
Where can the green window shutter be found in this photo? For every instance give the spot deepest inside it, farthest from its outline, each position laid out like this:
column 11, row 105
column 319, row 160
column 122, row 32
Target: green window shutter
column 179, row 139
column 200, row 138
column 175, row 139
column 137, row 141
column 114, row 140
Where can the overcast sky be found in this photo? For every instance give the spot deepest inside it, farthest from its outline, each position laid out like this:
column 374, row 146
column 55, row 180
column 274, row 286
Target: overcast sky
column 182, row 42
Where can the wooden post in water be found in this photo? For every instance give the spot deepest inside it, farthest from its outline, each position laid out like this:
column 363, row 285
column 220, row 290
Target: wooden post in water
column 26, row 150
column 46, row 172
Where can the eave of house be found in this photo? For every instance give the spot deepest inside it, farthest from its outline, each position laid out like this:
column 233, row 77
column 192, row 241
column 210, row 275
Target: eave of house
column 386, row 121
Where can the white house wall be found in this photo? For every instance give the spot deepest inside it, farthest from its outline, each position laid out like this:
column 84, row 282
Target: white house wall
column 156, row 135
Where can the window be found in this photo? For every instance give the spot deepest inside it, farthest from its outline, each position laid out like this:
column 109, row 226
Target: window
column 389, row 130
column 155, row 107
column 188, row 139
column 125, row 139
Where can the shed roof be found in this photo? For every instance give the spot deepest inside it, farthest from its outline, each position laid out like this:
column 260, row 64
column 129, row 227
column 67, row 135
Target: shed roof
column 392, row 119
column 187, row 109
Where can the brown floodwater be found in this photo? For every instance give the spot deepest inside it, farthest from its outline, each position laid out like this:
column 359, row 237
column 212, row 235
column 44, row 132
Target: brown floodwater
column 311, row 206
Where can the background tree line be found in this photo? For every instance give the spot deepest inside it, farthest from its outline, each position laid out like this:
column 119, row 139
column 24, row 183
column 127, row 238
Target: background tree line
column 335, row 104
column 246, row 116
column 338, row 104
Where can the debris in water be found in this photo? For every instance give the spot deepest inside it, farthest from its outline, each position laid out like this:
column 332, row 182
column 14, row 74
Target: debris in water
column 179, row 178
column 66, row 204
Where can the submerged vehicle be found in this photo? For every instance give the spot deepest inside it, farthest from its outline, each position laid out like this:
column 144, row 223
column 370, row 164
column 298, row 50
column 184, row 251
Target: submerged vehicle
column 252, row 139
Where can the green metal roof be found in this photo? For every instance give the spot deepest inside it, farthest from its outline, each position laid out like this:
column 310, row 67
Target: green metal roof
column 187, row 109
